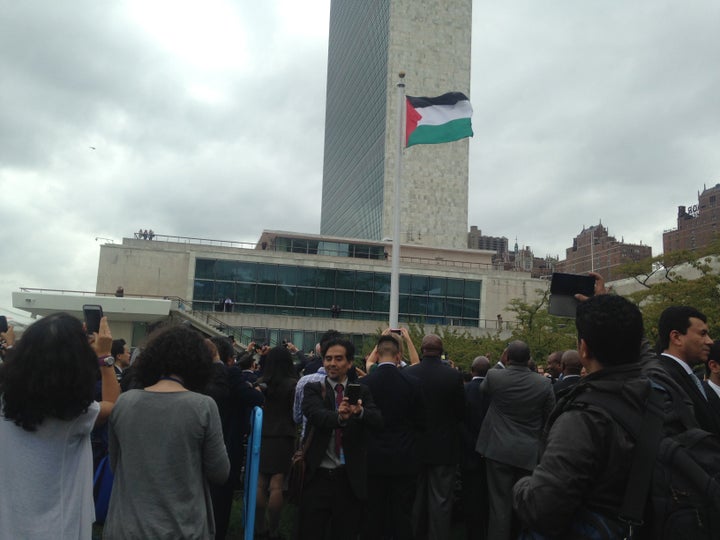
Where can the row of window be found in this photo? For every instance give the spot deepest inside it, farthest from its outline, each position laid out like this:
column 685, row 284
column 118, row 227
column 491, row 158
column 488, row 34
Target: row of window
column 334, row 249
column 311, row 292
column 344, row 313
column 323, row 299
column 288, row 276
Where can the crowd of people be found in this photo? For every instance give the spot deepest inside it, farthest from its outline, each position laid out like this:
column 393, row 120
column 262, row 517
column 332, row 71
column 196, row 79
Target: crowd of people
column 401, row 449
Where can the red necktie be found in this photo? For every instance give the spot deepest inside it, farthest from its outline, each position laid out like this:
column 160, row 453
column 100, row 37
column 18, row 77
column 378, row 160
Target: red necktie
column 338, row 432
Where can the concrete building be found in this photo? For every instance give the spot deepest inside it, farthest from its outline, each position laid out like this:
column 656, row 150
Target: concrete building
column 129, row 318
column 696, row 223
column 284, row 287
column 369, row 44
column 595, row 250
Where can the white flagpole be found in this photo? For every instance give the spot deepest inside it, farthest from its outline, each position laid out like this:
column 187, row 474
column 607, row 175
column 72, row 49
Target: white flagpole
column 395, row 270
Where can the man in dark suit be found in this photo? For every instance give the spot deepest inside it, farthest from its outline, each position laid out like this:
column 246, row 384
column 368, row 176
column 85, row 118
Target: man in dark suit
column 712, row 380
column 336, row 478
column 235, row 399
column 571, row 369
column 553, row 366
column 392, row 453
column 502, row 363
column 685, row 342
column 439, row 446
column 474, row 478
column 520, row 403
column 121, row 352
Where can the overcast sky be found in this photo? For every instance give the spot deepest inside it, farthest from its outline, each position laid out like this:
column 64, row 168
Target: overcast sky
column 206, row 119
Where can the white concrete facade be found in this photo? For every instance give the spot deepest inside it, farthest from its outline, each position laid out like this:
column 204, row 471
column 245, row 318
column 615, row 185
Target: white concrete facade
column 431, row 43
column 160, row 268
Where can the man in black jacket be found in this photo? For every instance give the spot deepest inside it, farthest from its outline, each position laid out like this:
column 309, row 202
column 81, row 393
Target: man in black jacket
column 392, row 452
column 474, row 477
column 336, row 480
column 439, row 446
column 685, row 342
column 235, row 399
column 585, row 464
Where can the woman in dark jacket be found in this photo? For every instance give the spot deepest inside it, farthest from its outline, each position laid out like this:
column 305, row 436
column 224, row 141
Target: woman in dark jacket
column 278, row 437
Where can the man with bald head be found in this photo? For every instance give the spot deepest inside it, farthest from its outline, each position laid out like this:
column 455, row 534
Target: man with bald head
column 571, row 368
column 520, row 403
column 439, row 447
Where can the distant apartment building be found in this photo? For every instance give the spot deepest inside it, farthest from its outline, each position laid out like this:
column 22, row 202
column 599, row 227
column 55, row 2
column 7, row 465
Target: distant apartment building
column 498, row 244
column 594, row 250
column 518, row 260
column 696, row 223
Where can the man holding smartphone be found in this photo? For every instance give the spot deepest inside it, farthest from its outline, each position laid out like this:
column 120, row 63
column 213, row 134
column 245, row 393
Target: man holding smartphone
column 336, row 478
column 393, row 463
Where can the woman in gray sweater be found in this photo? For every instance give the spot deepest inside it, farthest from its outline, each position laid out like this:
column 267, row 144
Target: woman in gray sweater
column 166, row 444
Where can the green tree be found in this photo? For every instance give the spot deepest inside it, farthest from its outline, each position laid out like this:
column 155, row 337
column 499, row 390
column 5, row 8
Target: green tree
column 690, row 278
column 544, row 333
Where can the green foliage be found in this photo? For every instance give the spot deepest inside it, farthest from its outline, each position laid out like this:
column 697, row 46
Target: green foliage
column 544, row 333
column 702, row 293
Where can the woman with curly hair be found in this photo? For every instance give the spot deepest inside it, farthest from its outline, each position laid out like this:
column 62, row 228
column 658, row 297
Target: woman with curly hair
column 48, row 411
column 166, row 444
column 278, row 438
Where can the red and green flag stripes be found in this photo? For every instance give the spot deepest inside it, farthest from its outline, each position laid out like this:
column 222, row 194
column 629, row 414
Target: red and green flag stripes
column 437, row 120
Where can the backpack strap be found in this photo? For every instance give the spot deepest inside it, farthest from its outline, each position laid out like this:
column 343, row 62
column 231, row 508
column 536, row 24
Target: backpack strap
column 647, row 431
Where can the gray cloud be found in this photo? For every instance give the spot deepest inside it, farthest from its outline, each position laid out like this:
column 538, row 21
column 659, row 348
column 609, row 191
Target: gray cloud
column 583, row 111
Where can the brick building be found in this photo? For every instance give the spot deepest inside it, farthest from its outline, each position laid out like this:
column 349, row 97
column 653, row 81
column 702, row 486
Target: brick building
column 696, row 223
column 595, row 250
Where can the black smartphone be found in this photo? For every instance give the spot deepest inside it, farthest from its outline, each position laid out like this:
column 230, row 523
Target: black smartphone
column 3, row 324
column 353, row 393
column 93, row 313
column 396, row 331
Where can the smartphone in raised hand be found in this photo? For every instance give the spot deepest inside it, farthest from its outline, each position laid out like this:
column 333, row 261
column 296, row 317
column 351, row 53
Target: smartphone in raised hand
column 93, row 313
column 353, row 393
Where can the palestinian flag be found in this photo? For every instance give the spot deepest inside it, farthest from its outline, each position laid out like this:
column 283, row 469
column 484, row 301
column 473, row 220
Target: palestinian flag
column 437, row 120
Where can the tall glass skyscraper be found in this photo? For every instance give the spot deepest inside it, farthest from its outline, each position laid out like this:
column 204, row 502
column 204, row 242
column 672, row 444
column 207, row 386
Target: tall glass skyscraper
column 370, row 42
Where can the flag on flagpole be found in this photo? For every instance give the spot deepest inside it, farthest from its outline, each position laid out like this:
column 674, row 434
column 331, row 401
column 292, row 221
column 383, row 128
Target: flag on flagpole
column 437, row 120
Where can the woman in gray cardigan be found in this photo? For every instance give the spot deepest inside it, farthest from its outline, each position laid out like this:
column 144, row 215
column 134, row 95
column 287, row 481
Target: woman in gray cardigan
column 166, row 444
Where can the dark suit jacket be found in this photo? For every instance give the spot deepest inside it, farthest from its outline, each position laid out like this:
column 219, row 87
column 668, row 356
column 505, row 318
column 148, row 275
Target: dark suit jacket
column 235, row 399
column 520, row 403
column 565, row 383
column 713, row 398
column 393, row 450
column 705, row 414
column 475, row 408
column 322, row 415
column 442, row 389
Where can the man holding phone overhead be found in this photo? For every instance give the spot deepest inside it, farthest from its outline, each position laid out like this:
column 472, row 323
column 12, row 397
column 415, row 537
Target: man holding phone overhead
column 336, row 478
column 393, row 463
